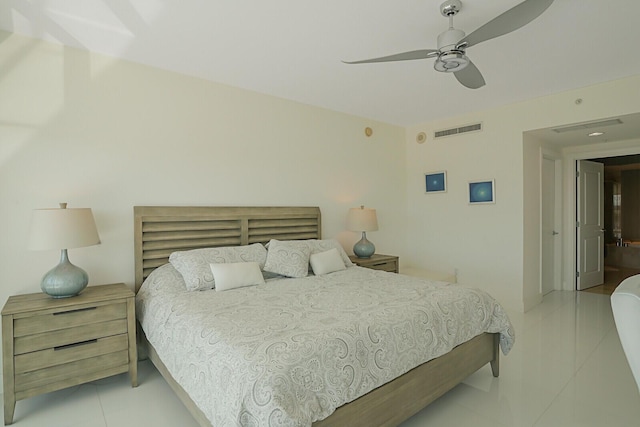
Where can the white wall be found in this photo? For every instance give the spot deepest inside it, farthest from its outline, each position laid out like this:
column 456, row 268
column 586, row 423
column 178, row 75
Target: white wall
column 532, row 217
column 495, row 247
column 108, row 134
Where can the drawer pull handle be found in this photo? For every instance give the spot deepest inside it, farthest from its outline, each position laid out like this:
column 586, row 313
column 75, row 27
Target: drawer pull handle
column 379, row 264
column 74, row 311
column 77, row 344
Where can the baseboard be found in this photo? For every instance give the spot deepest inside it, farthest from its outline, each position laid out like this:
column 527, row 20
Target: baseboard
column 531, row 302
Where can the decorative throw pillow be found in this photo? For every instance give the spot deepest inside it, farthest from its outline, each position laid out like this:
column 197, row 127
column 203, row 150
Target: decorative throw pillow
column 326, row 262
column 194, row 264
column 326, row 244
column 289, row 258
column 236, row 275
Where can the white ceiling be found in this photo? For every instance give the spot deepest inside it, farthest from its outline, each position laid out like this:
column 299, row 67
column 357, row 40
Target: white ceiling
column 293, row 48
column 619, row 128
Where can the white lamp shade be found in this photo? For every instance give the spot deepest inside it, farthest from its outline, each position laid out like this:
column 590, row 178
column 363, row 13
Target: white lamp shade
column 62, row 229
column 362, row 219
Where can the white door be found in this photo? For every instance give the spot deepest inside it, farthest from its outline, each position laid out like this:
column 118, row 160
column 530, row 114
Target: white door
column 549, row 233
column 590, row 231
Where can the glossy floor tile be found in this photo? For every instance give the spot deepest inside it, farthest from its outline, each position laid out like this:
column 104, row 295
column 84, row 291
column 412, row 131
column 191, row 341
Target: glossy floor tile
column 567, row 369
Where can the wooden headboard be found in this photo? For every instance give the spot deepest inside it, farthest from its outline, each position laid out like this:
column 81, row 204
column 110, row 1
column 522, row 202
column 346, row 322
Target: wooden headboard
column 161, row 230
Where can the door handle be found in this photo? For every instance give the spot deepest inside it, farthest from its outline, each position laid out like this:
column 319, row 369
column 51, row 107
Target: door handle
column 602, row 230
column 554, row 233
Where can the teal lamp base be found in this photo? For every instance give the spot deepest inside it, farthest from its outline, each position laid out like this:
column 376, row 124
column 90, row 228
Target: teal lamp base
column 364, row 248
column 65, row 279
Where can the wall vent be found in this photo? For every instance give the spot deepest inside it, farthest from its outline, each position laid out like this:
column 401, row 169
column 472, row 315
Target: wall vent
column 456, row 131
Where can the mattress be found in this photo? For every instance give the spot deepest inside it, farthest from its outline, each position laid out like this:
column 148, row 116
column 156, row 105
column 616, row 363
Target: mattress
column 291, row 351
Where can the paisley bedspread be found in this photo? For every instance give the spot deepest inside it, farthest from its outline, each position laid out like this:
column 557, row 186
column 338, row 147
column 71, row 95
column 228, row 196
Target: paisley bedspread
column 289, row 352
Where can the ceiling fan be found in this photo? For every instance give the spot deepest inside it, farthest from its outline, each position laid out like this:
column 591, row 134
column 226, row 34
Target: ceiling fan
column 452, row 44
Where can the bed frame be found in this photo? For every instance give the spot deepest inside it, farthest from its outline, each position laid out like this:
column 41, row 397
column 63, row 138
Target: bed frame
column 162, row 230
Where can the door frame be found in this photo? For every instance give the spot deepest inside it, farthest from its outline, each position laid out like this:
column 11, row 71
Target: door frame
column 557, row 218
column 570, row 156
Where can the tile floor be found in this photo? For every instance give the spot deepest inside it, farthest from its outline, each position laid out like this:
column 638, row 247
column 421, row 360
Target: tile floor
column 567, row 369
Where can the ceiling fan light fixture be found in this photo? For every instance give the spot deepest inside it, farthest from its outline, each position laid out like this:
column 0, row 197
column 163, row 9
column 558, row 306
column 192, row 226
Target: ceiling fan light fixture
column 450, row 62
column 453, row 43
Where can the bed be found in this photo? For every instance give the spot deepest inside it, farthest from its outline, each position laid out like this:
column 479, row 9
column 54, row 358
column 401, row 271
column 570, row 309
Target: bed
column 160, row 231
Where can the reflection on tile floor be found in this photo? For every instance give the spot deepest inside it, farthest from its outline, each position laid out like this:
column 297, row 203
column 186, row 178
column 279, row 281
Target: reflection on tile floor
column 567, row 369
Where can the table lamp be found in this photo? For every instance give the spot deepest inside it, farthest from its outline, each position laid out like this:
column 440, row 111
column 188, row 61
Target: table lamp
column 63, row 229
column 363, row 219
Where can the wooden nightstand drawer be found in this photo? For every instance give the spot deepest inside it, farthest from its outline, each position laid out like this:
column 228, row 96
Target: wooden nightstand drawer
column 377, row 262
column 70, row 318
column 71, row 336
column 391, row 266
column 79, row 371
column 67, row 354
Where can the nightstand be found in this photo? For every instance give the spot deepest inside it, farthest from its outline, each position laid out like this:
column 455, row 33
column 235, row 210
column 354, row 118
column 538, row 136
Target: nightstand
column 377, row 262
column 49, row 344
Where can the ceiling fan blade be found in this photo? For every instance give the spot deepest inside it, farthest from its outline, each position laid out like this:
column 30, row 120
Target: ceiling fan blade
column 414, row 54
column 470, row 76
column 511, row 20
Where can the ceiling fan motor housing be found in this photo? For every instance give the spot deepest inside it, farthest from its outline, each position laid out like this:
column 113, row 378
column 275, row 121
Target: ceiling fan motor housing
column 449, row 39
column 451, row 58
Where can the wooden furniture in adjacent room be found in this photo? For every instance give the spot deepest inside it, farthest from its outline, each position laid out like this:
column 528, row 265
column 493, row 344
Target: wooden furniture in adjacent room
column 159, row 231
column 49, row 344
column 377, row 262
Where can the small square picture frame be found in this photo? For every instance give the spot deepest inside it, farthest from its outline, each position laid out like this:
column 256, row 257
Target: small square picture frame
column 435, row 182
column 482, row 192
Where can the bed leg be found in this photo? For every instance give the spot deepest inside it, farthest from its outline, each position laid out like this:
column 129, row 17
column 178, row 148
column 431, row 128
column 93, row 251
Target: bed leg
column 495, row 363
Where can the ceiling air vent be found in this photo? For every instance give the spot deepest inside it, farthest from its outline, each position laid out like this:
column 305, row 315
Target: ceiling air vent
column 456, row 131
column 589, row 125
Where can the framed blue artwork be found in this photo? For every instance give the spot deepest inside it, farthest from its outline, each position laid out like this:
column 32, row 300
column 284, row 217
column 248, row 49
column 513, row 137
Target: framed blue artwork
column 435, row 182
column 482, row 192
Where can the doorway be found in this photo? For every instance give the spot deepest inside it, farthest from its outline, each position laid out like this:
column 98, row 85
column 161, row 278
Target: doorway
column 551, row 224
column 621, row 209
column 568, row 143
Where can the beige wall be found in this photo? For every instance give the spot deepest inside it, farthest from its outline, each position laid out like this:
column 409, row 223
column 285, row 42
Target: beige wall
column 496, row 247
column 108, row 134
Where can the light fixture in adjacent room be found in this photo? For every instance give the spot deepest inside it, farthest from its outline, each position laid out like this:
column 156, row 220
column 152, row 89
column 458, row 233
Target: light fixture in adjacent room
column 363, row 219
column 63, row 229
column 595, row 134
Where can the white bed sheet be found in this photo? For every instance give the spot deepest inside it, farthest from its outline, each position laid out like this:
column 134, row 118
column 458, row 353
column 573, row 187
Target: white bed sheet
column 289, row 352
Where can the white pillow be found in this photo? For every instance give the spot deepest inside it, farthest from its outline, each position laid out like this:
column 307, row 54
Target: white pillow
column 236, row 275
column 194, row 264
column 326, row 262
column 322, row 245
column 326, row 244
column 289, row 258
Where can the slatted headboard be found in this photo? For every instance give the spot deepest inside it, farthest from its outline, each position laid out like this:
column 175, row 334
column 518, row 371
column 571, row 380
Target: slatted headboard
column 160, row 230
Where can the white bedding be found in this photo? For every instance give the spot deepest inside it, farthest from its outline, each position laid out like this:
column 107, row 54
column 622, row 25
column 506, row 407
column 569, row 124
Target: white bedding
column 289, row 352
